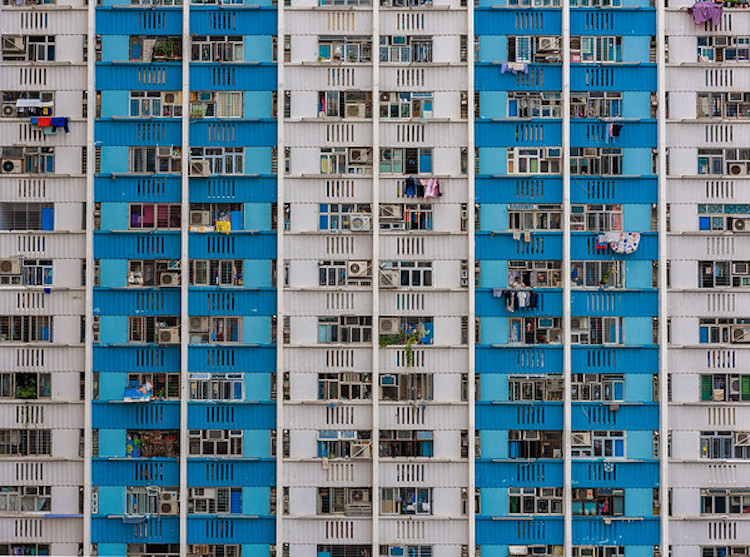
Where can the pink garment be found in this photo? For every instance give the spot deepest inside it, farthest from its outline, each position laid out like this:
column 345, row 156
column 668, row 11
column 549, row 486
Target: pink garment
column 431, row 190
column 703, row 11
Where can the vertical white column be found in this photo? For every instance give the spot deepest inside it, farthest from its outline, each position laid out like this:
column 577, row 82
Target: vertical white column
column 662, row 262
column 375, row 277
column 566, row 298
column 470, row 237
column 280, row 197
column 184, row 274
column 89, row 309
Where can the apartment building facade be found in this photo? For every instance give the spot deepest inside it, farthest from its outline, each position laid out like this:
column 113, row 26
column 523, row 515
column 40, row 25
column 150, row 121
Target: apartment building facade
column 42, row 198
column 350, row 278
column 707, row 138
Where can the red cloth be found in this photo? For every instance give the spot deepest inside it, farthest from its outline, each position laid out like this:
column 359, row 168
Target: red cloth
column 44, row 122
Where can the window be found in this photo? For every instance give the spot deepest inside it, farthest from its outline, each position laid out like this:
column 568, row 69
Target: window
column 344, row 550
column 531, row 500
column 216, row 104
column 604, row 161
column 535, row 387
column 722, row 216
column 215, row 442
column 405, row 160
column 713, row 161
column 407, row 273
column 26, row 498
column 25, row 442
column 540, row 160
column 596, row 274
column 216, row 386
column 596, row 330
column 718, row 274
column 725, row 387
column 725, row 551
column 216, row 272
column 157, row 216
column 26, row 216
column 344, row 444
column 530, row 49
column 160, row 160
column 340, row 160
column 344, row 329
column 406, row 550
column 24, row 548
column 598, row 502
column 211, row 330
column 723, row 105
column 597, row 387
column 534, row 217
column 534, row 104
column 406, row 500
column 152, row 443
column 535, row 3
column 723, row 48
column 338, row 273
column 405, row 105
column 222, row 160
column 596, row 49
column 725, row 501
column 596, row 104
column 719, row 330
column 36, row 272
column 156, row 48
column 535, row 274
column 406, row 386
column 725, row 445
column 534, row 330
column 151, row 549
column 153, row 272
column 164, row 385
column 146, row 329
column 30, row 160
column 145, row 104
column 26, row 328
column 534, row 444
column 218, row 49
column 141, row 501
column 403, row 49
column 214, row 500
column 344, row 49
column 598, row 550
column 348, row 501
column 337, row 216
column 396, row 330
column 217, row 549
column 344, row 104
column 405, row 443
column 28, row 48
column 29, row 103
column 598, row 444
column 345, row 385
column 21, row 385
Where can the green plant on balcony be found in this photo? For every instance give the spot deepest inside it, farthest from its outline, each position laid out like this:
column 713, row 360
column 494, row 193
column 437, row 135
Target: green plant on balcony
column 28, row 391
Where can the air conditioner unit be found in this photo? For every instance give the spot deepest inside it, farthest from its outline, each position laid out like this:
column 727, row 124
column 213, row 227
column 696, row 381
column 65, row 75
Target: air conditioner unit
column 10, row 266
column 361, row 450
column 532, row 435
column 173, row 98
column 198, row 324
column 356, row 269
column 735, row 97
column 741, row 268
column 169, row 279
column 205, row 96
column 8, row 110
column 392, row 211
column 388, row 380
column 385, row 97
column 215, row 434
column 390, row 325
column 169, row 335
column 359, row 496
column 164, row 151
column 359, row 222
column 590, row 152
column 581, row 438
column 12, row 166
column 548, row 43
column 358, row 155
column 741, row 333
column 577, row 323
column 741, row 225
column 355, row 111
column 389, row 278
column 734, row 386
column 169, row 508
column 200, row 168
column 13, row 44
column 200, row 218
column 735, row 169
column 518, row 550
column 94, row 502
column 742, row 438
column 201, row 549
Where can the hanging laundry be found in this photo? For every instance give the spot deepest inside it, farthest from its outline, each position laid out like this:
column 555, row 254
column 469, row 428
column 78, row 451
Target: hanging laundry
column 620, row 242
column 514, row 67
column 421, row 185
column 519, row 299
column 497, row 293
column 60, row 122
column 616, row 129
column 704, row 11
column 44, row 122
column 431, row 189
column 410, row 187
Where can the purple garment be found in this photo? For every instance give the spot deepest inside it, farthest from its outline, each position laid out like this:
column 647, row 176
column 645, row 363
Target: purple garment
column 703, row 11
